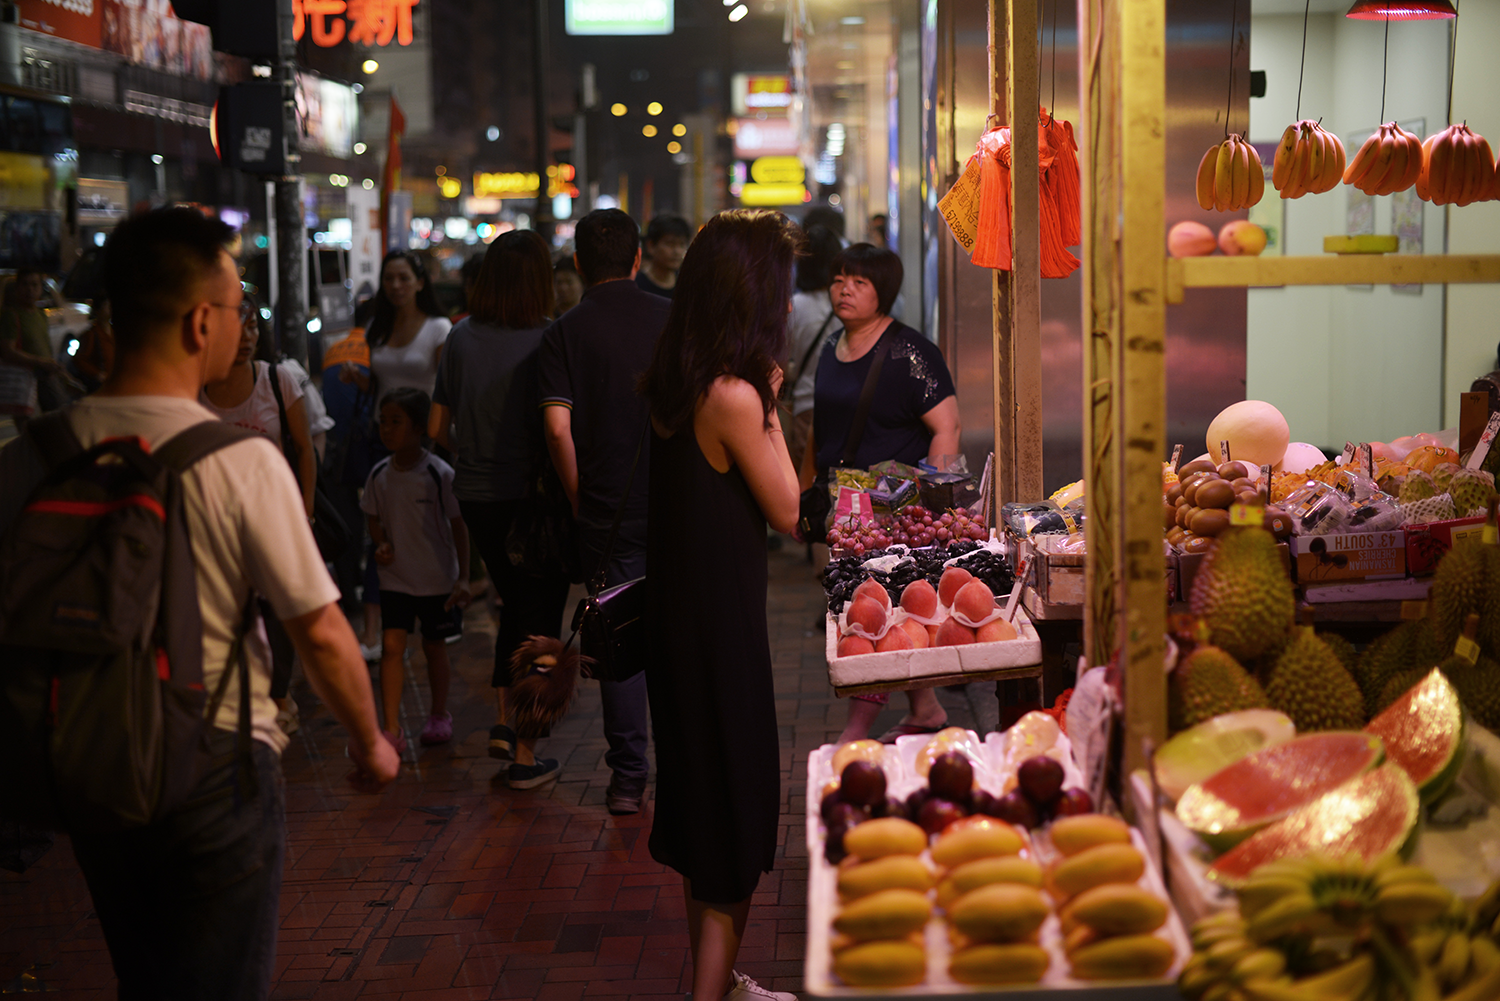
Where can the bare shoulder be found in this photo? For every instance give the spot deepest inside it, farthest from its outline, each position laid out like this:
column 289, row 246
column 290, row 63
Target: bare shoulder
column 731, row 395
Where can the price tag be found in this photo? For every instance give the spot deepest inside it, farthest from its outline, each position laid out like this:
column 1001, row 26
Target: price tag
column 1247, row 515
column 1490, row 536
column 1176, row 456
column 1265, row 474
column 1348, row 453
column 1413, row 610
column 1466, row 649
column 1224, row 451
column 1486, row 441
column 1022, row 570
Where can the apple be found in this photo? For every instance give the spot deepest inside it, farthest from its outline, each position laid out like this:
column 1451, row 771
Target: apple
column 1041, row 778
column 938, row 813
column 951, row 776
column 1073, row 802
column 1015, row 808
column 862, row 783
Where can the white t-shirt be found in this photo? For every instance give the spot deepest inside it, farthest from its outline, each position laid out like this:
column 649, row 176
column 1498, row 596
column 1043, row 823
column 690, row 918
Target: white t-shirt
column 414, row 507
column 809, row 310
column 249, row 530
column 415, row 365
column 258, row 412
column 318, row 421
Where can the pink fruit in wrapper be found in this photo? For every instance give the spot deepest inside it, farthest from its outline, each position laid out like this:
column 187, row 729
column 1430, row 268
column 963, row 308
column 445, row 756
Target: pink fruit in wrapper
column 992, row 632
column 949, row 584
column 953, row 633
column 920, row 598
column 853, row 646
column 866, row 613
column 920, row 637
column 974, row 600
column 895, row 639
column 872, row 588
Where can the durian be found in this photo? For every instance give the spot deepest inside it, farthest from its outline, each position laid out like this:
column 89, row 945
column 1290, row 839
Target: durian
column 1478, row 687
column 1409, row 647
column 1398, row 684
column 1459, row 589
column 1417, row 486
column 1312, row 687
column 1208, row 683
column 1342, row 649
column 1243, row 595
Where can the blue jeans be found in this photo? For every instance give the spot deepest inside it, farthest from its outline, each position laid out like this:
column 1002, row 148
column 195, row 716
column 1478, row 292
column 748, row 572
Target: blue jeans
column 625, row 709
column 189, row 904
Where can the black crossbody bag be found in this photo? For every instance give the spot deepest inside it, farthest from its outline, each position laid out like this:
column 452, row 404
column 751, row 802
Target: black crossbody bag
column 610, row 623
column 815, row 503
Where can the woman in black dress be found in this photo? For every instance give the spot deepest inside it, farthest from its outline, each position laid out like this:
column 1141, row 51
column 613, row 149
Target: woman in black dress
column 720, row 472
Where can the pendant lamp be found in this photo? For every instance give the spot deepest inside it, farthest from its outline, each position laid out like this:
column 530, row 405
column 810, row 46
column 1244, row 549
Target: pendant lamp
column 1401, row 10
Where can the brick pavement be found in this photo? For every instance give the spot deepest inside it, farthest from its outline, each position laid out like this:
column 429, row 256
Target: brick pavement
column 449, row 885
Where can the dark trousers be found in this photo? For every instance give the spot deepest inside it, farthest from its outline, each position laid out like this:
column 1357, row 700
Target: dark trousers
column 346, row 569
column 625, row 707
column 189, row 904
column 531, row 605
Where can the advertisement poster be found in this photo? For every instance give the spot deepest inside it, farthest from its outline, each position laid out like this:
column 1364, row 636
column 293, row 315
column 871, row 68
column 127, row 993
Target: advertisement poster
column 75, row 20
column 149, row 33
column 364, row 250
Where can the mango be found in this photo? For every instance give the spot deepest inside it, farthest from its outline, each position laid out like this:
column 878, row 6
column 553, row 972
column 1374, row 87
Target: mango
column 983, row 872
column 886, row 963
column 1108, row 863
column 1118, row 909
column 991, row 963
column 999, row 912
column 875, row 839
column 985, row 838
column 894, row 872
column 884, row 914
column 1124, row 957
column 1071, row 835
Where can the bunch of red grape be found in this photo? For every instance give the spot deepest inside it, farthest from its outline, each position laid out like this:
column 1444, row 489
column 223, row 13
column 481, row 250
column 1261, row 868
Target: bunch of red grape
column 913, row 526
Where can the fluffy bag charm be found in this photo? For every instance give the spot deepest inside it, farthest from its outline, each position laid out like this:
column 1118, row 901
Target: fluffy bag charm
column 544, row 679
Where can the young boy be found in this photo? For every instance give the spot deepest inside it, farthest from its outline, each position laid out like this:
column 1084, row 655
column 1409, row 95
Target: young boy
column 422, row 548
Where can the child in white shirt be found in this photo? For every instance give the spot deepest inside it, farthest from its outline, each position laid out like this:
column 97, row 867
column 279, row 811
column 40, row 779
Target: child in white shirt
column 422, row 548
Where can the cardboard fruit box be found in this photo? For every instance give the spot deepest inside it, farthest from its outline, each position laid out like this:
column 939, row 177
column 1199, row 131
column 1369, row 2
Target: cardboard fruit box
column 1318, row 559
column 899, row 666
column 1426, row 544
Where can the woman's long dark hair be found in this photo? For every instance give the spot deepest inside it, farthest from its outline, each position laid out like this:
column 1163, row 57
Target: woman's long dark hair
column 728, row 315
column 514, row 287
column 383, row 322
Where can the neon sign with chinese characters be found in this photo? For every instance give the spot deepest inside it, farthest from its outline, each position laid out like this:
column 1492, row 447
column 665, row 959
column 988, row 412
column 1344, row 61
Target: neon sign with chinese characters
column 365, row 22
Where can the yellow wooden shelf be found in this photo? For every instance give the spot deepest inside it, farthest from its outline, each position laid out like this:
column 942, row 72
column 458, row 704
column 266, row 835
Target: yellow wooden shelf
column 1386, row 269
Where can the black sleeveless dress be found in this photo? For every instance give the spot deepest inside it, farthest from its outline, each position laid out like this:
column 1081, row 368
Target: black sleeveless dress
column 713, row 709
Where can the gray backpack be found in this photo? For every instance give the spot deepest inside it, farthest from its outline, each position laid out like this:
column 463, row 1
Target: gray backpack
column 103, row 719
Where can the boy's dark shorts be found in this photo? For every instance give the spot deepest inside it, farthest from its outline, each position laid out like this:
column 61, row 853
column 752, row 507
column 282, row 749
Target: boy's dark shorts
column 401, row 611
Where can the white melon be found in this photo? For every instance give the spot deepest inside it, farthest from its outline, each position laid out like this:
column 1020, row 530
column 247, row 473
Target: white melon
column 1300, row 457
column 1256, row 431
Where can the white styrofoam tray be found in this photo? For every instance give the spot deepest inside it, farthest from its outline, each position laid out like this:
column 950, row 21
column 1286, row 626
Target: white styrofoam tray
column 822, row 898
column 906, row 665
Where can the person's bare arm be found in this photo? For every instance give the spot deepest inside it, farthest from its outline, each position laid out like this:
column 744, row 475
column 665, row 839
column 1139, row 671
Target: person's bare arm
column 307, row 459
column 460, row 595
column 942, row 421
column 559, row 424
column 733, row 414
column 336, row 670
column 350, row 373
column 437, row 424
column 809, row 464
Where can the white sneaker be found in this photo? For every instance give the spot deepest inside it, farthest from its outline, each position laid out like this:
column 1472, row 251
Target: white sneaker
column 745, row 989
column 289, row 719
column 371, row 654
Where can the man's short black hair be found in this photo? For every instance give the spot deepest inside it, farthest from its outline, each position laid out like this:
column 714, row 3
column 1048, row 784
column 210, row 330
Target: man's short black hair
column 667, row 225
column 607, row 241
column 152, row 264
column 878, row 265
column 824, row 215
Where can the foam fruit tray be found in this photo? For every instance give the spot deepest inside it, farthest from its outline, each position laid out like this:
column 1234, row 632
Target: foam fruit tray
column 902, row 780
column 905, row 665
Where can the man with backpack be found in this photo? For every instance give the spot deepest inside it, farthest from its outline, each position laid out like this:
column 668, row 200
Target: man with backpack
column 135, row 532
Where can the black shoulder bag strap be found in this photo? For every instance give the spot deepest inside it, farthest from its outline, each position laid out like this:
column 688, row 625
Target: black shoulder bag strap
column 288, row 443
column 812, row 348
column 597, row 583
column 866, row 398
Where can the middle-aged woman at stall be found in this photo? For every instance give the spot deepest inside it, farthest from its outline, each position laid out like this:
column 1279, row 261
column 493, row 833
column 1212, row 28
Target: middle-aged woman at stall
column 720, row 472
column 913, row 416
column 406, row 335
column 487, row 394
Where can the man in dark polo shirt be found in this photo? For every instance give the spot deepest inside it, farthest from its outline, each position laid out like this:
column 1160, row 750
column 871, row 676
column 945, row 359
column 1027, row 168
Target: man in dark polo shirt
column 591, row 358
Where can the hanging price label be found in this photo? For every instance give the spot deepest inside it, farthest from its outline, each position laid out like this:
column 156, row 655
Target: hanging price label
column 1466, row 649
column 1247, row 515
column 1489, row 536
column 1176, row 456
column 1413, row 610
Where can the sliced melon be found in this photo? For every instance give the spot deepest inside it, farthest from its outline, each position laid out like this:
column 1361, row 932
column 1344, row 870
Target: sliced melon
column 1198, row 752
column 1373, row 815
column 1266, row 786
column 1423, row 732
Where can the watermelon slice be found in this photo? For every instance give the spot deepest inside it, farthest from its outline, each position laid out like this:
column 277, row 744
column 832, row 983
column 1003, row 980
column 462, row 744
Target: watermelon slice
column 1198, row 752
column 1423, row 732
column 1373, row 815
column 1267, row 786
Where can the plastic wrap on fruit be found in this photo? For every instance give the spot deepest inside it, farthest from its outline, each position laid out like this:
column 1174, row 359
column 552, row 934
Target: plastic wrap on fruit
column 1034, row 733
column 1378, row 513
column 953, row 738
column 1317, row 509
column 1356, row 486
column 1036, row 518
column 890, row 493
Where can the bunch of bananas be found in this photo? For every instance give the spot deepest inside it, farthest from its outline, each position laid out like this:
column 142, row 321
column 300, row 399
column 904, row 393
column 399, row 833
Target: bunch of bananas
column 1344, row 930
column 1230, row 177
column 1388, row 162
column 1457, row 168
column 1308, row 160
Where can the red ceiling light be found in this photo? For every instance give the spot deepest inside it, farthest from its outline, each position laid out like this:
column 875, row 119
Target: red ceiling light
column 1401, row 10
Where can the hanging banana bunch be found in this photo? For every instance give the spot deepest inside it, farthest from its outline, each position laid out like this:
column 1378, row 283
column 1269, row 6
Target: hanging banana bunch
column 1388, row 162
column 1309, row 160
column 1230, row 178
column 1457, row 168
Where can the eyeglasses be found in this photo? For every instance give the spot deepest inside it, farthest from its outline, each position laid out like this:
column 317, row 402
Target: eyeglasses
column 219, row 305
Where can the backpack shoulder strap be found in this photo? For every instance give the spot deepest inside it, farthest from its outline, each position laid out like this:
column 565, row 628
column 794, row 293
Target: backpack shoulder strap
column 54, row 438
column 198, row 442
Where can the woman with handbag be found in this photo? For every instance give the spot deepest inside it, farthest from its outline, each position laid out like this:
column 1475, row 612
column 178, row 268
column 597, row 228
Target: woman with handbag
column 486, row 410
column 249, row 397
column 883, row 392
column 720, row 472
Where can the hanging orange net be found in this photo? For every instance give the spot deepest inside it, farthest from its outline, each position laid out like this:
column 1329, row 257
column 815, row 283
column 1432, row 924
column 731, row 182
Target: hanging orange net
column 1061, row 219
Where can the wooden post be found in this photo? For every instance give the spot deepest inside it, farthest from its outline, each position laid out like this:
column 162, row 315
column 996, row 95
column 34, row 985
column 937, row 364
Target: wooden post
column 1016, row 365
column 1124, row 142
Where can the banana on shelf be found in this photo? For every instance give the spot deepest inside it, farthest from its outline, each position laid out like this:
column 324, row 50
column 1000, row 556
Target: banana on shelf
column 1230, row 176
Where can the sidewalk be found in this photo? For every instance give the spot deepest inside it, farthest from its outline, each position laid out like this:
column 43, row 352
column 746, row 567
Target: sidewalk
column 450, row 886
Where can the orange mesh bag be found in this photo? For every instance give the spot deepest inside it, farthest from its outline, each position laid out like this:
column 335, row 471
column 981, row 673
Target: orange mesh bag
column 992, row 240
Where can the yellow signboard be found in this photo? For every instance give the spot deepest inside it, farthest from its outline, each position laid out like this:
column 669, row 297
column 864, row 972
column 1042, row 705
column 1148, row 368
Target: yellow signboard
column 773, row 194
column 23, row 181
column 778, row 170
column 517, row 184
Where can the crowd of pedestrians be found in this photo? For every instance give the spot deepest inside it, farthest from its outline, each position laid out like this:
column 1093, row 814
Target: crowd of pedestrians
column 607, row 416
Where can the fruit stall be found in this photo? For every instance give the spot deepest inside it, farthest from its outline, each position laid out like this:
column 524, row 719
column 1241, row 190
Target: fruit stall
column 1306, row 816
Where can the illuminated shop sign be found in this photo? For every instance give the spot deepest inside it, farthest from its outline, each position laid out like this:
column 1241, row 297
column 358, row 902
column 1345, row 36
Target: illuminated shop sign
column 776, row 180
column 519, row 184
column 619, row 17
column 364, row 22
column 753, row 92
